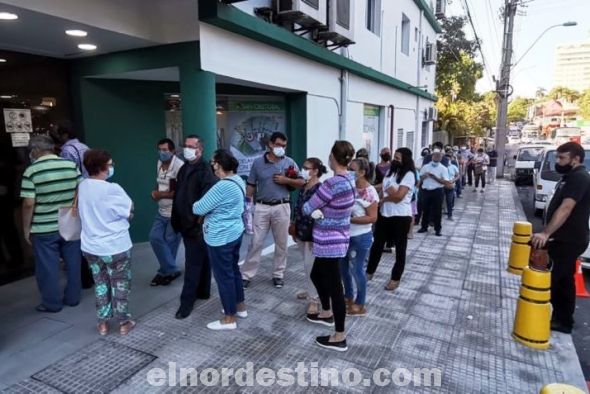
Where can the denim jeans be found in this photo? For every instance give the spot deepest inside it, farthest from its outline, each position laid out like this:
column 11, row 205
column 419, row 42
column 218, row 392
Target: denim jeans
column 165, row 243
column 48, row 248
column 450, row 199
column 224, row 262
column 357, row 255
column 458, row 187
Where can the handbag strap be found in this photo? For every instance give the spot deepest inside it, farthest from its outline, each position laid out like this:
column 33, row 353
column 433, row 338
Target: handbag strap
column 237, row 184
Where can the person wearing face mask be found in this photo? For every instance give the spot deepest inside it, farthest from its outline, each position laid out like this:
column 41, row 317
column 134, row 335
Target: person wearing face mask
column 271, row 178
column 420, row 197
column 105, row 210
column 395, row 216
column 566, row 234
column 436, row 147
column 383, row 167
column 193, row 180
column 163, row 238
column 302, row 227
column 434, row 177
column 48, row 184
column 480, row 166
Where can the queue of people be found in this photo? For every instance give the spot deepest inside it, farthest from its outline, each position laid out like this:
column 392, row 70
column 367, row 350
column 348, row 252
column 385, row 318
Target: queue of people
column 341, row 225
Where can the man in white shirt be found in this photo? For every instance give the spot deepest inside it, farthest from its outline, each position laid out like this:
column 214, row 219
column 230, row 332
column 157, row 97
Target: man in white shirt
column 163, row 238
column 434, row 177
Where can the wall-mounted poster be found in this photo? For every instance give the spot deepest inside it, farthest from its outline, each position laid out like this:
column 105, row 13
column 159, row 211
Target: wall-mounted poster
column 17, row 120
column 20, row 140
column 249, row 127
column 371, row 129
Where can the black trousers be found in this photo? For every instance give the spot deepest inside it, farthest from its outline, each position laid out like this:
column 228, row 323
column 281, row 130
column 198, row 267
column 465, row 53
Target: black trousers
column 563, row 288
column 325, row 276
column 470, row 171
column 396, row 229
column 481, row 177
column 87, row 279
column 433, row 200
column 419, row 205
column 197, row 271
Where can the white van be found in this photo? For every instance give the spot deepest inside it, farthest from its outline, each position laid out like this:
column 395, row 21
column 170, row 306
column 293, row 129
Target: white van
column 524, row 164
column 546, row 177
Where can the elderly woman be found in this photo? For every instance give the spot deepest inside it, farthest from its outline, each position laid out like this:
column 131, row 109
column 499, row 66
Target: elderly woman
column 105, row 210
column 223, row 206
column 331, row 206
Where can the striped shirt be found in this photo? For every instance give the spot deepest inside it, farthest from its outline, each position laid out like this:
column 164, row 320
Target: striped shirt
column 335, row 198
column 222, row 207
column 51, row 181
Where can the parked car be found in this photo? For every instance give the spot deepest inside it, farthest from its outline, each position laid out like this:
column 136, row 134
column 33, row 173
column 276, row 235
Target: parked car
column 524, row 164
column 545, row 177
column 584, row 257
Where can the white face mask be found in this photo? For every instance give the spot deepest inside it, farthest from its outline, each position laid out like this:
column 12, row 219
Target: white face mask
column 305, row 174
column 190, row 154
column 278, row 151
column 436, row 150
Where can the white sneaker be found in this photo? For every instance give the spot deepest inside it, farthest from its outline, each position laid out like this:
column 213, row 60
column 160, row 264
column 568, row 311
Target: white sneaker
column 218, row 325
column 242, row 314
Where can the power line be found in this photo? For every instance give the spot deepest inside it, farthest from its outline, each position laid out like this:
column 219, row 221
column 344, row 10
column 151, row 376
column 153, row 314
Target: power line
column 465, row 6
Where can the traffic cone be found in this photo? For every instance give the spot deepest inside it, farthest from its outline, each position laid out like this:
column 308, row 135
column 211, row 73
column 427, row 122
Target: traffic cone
column 580, row 285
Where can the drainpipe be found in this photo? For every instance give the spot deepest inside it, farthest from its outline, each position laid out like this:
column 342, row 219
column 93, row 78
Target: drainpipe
column 343, row 99
column 391, row 129
column 418, row 83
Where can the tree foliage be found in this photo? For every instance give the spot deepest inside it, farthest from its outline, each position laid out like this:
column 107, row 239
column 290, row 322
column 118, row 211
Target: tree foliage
column 518, row 109
column 584, row 104
column 561, row 92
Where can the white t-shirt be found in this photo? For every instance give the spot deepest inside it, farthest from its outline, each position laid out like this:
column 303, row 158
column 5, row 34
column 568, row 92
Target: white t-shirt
column 439, row 171
column 404, row 207
column 163, row 179
column 104, row 210
column 362, row 200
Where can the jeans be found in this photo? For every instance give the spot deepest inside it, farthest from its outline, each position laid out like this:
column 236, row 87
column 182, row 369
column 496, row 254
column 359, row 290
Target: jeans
column 165, row 241
column 357, row 254
column 450, row 199
column 224, row 261
column 563, row 288
column 458, row 187
column 197, row 271
column 112, row 278
column 395, row 228
column 325, row 275
column 48, row 248
column 432, row 208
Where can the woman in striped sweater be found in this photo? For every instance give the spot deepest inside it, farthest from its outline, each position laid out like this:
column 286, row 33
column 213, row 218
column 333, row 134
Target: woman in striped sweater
column 222, row 207
column 331, row 207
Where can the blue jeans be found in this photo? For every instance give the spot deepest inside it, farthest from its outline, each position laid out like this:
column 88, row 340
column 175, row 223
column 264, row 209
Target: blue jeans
column 165, row 243
column 48, row 248
column 450, row 199
column 357, row 255
column 458, row 187
column 224, row 262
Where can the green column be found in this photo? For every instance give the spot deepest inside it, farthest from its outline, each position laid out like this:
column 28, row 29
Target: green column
column 197, row 89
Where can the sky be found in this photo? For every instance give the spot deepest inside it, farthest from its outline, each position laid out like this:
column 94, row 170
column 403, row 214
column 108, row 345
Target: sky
column 536, row 68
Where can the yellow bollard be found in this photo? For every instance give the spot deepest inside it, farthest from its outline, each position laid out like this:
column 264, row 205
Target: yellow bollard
column 520, row 250
column 532, row 322
column 557, row 388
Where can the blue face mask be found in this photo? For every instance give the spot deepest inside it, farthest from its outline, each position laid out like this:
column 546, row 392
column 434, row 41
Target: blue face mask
column 435, row 163
column 111, row 172
column 165, row 156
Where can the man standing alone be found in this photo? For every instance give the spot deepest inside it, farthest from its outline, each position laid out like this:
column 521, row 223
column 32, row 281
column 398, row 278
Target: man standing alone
column 566, row 234
column 163, row 238
column 194, row 179
column 270, row 177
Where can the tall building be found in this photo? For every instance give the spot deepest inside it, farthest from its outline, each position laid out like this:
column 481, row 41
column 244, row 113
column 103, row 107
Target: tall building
column 572, row 66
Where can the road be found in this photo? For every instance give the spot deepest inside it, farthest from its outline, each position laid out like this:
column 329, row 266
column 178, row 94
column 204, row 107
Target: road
column 581, row 333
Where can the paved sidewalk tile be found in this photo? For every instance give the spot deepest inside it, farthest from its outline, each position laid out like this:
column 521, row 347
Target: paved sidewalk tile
column 452, row 314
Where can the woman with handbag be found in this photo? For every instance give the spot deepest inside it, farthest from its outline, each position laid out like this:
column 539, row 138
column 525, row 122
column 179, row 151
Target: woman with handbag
column 223, row 208
column 105, row 210
column 302, row 227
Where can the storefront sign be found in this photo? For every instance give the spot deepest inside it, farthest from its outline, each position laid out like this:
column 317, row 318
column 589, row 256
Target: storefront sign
column 249, row 127
column 20, row 140
column 17, row 120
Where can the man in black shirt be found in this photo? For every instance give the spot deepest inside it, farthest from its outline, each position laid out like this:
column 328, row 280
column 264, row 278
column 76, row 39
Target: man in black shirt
column 567, row 232
column 493, row 155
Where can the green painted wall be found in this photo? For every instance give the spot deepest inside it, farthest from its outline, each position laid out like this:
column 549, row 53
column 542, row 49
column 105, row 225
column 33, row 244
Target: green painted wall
column 126, row 118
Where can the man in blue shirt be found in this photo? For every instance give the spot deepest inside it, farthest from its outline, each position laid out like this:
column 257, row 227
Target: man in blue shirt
column 434, row 177
column 450, row 190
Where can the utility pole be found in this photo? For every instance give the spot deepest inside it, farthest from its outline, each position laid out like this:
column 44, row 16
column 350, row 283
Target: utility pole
column 503, row 87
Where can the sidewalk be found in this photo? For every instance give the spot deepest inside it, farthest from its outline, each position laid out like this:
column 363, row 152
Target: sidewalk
column 453, row 311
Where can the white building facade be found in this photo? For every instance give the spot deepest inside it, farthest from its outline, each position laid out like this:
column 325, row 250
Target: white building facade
column 572, row 66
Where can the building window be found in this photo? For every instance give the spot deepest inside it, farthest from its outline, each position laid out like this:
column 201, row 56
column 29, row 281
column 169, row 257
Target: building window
column 405, row 34
column 343, row 13
column 400, row 138
column 410, row 140
column 374, row 16
column 425, row 128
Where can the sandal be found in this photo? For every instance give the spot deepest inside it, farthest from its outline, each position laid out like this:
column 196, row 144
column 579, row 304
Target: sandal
column 103, row 328
column 392, row 285
column 302, row 295
column 127, row 327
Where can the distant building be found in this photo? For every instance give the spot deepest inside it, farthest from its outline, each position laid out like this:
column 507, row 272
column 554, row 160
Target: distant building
column 572, row 66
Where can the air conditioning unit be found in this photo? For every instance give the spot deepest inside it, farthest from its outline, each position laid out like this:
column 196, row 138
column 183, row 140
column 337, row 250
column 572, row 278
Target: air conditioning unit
column 306, row 13
column 440, row 8
column 430, row 53
column 340, row 22
column 432, row 113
